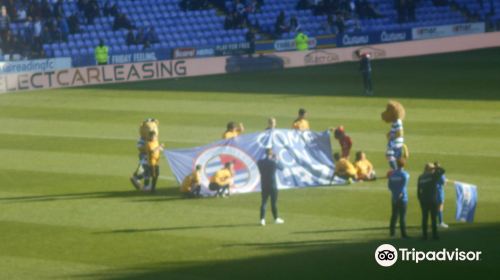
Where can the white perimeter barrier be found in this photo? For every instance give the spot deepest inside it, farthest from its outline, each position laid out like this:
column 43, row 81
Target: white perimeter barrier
column 119, row 73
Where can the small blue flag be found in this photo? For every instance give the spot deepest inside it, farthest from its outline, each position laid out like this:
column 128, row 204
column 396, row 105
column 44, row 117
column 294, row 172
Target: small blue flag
column 466, row 201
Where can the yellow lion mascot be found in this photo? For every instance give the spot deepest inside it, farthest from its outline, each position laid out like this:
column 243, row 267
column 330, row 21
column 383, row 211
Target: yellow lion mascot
column 146, row 128
column 394, row 114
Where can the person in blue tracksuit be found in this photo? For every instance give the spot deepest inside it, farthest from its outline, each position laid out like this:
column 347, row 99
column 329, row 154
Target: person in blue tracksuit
column 441, row 182
column 427, row 192
column 267, row 169
column 398, row 185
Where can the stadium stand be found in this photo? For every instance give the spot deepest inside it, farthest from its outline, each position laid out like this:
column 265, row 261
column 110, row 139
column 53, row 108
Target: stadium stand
column 57, row 28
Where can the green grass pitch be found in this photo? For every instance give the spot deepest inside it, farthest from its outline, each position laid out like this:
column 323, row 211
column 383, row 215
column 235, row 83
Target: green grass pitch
column 67, row 209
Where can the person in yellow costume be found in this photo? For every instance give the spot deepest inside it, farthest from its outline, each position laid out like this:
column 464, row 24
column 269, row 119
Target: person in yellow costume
column 364, row 167
column 148, row 125
column 222, row 180
column 233, row 130
column 191, row 186
column 301, row 122
column 344, row 168
column 153, row 152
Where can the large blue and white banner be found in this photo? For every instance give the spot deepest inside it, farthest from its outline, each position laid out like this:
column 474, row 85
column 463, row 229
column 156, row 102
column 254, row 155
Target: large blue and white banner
column 306, row 158
column 466, row 201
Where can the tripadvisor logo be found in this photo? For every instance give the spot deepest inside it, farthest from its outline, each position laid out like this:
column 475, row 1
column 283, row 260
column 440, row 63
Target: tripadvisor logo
column 387, row 255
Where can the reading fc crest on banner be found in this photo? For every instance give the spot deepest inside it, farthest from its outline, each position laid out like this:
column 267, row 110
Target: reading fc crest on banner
column 246, row 177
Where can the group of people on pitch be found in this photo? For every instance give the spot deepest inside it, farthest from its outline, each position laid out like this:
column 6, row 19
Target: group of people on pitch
column 430, row 193
column 222, row 181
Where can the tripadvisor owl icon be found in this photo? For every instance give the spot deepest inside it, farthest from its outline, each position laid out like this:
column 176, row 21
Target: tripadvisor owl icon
column 386, row 255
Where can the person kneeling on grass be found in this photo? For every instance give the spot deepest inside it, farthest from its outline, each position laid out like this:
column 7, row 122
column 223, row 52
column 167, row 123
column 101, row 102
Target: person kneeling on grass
column 344, row 168
column 222, row 180
column 152, row 172
column 191, row 186
column 364, row 167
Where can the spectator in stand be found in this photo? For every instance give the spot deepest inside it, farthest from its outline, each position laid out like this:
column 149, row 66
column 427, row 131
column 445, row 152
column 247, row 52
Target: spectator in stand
column 74, row 23
column 81, row 4
column 401, row 8
column 240, row 8
column 250, row 38
column 46, row 9
column 62, row 23
column 10, row 5
column 92, row 11
column 280, row 26
column 340, row 24
column 54, row 29
column 239, row 20
column 411, row 5
column 131, row 38
column 4, row 22
column 365, row 9
column 294, row 24
column 146, row 46
column 328, row 25
column 110, row 9
column 28, row 32
column 140, row 38
column 21, row 13
column 253, row 7
column 101, row 53
column 58, row 9
column 229, row 22
column 37, row 30
column 122, row 21
column 301, row 41
column 152, row 36
column 303, row 5
column 7, row 42
column 34, row 10
column 46, row 36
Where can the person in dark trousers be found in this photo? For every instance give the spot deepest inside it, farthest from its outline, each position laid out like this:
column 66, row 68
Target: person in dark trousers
column 398, row 185
column 427, row 192
column 250, row 38
column 267, row 169
column 366, row 69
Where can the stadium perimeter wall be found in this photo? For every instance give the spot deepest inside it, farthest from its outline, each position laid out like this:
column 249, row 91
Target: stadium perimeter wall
column 119, row 73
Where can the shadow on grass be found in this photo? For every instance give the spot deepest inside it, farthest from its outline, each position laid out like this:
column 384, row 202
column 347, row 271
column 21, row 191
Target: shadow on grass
column 133, row 230
column 348, row 230
column 163, row 194
column 443, row 76
column 337, row 259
